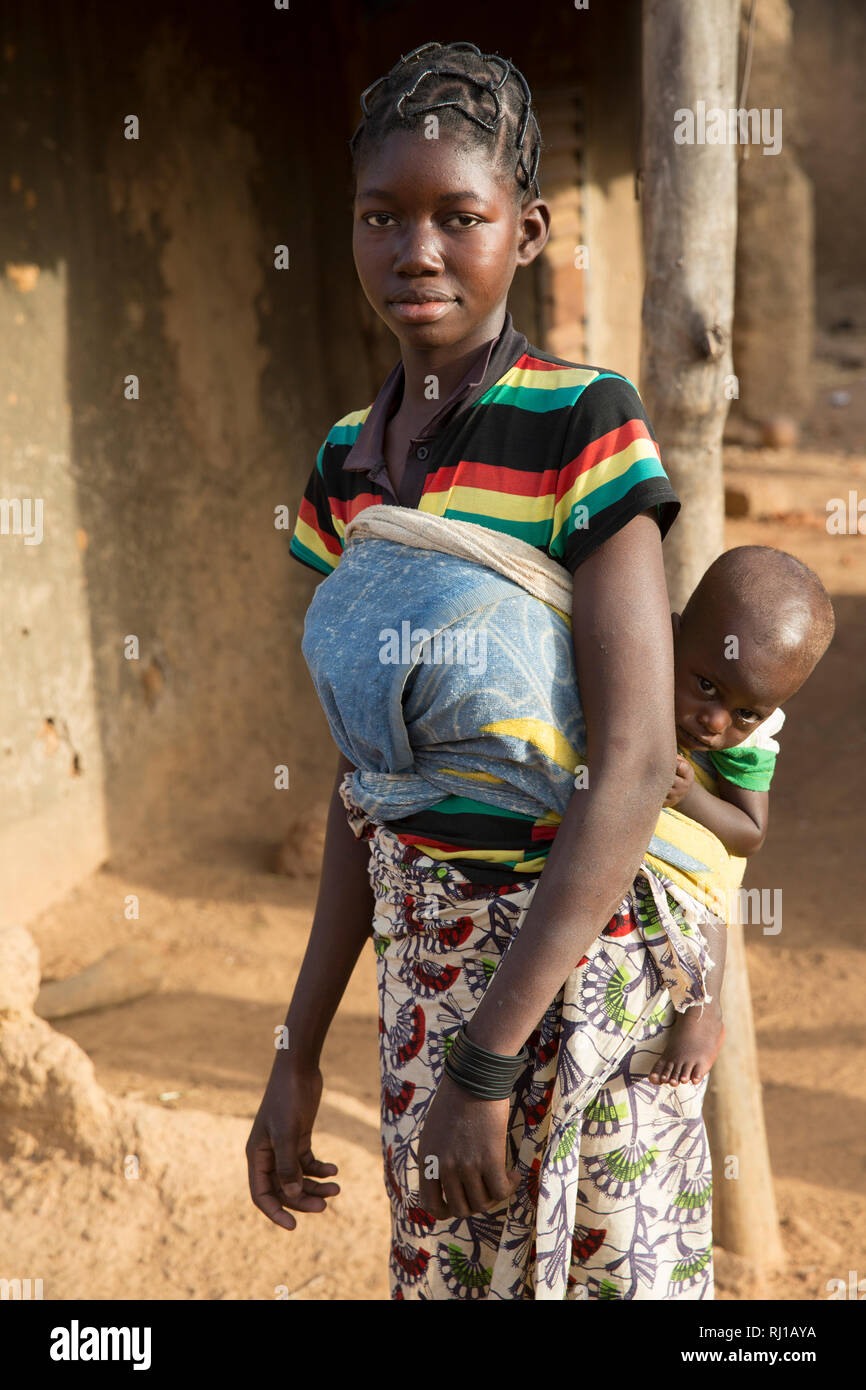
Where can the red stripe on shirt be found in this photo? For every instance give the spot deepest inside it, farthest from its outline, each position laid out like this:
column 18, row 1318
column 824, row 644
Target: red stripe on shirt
column 544, row 832
column 535, row 364
column 421, row 840
column 345, row 510
column 492, row 477
column 600, row 449
column 307, row 513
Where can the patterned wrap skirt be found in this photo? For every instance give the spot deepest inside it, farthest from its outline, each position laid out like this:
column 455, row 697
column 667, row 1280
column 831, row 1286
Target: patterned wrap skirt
column 614, row 1199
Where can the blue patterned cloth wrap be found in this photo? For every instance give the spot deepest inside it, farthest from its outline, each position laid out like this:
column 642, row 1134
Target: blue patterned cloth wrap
column 418, row 729
column 414, row 727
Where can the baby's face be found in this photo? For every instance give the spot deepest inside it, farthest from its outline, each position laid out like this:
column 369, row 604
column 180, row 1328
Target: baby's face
column 720, row 699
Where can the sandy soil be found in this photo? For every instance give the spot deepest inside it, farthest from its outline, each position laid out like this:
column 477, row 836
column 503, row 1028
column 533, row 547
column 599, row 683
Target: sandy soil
column 231, row 935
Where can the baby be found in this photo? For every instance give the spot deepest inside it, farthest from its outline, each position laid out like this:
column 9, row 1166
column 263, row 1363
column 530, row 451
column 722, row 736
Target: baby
column 750, row 635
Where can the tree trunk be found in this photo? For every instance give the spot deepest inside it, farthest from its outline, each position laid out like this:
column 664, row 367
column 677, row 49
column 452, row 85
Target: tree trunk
column 744, row 1203
column 689, row 197
column 689, row 204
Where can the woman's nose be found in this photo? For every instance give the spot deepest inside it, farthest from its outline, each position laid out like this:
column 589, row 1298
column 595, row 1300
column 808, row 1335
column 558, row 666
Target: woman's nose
column 418, row 252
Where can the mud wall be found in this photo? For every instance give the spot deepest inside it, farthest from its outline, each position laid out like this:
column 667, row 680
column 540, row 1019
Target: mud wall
column 774, row 310
column 168, row 388
column 829, row 54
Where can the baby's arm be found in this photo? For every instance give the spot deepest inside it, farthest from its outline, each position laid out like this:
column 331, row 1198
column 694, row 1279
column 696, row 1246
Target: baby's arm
column 737, row 816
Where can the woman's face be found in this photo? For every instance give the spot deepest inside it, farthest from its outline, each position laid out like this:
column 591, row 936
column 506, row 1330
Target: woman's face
column 438, row 234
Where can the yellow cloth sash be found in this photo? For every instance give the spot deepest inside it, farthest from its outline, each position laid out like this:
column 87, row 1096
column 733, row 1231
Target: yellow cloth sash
column 724, row 872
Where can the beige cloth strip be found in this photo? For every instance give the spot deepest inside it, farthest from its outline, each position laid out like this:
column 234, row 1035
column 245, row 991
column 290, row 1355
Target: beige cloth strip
column 512, row 558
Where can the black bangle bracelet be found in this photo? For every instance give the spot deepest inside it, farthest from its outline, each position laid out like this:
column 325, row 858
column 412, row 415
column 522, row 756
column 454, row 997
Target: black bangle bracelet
column 473, row 1052
column 487, row 1075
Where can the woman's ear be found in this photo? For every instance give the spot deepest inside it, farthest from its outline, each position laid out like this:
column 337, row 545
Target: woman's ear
column 534, row 230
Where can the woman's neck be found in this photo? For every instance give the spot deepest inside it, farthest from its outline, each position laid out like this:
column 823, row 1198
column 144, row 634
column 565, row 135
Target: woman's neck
column 449, row 365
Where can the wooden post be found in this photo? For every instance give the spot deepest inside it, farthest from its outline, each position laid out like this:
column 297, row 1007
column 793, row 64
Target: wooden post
column 689, row 204
column 744, row 1203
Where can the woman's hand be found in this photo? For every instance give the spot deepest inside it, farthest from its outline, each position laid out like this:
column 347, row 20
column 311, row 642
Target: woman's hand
column 280, row 1158
column 684, row 780
column 467, row 1137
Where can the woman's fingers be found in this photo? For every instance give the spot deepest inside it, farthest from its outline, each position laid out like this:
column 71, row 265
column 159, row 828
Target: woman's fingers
column 455, row 1197
column 260, row 1164
column 467, row 1194
column 315, row 1168
column 500, row 1185
column 470, row 1192
column 495, row 1184
column 432, row 1198
column 476, row 1193
column 296, row 1179
column 307, row 1195
column 279, row 1180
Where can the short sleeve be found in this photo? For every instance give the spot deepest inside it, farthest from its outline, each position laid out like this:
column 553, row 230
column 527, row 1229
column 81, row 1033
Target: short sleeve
column 315, row 541
column 763, row 735
column 611, row 471
column 751, row 764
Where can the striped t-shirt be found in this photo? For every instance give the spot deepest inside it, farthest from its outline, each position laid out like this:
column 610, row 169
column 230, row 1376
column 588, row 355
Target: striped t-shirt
column 561, row 456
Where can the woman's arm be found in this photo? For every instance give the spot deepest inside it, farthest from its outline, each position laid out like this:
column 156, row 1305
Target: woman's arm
column 342, row 922
column 624, row 656
column 283, row 1170
column 737, row 816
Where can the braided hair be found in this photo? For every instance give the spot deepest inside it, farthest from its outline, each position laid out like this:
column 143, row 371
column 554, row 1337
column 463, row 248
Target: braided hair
column 481, row 95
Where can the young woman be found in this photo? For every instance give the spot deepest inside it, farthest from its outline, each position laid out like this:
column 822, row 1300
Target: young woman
column 527, row 1155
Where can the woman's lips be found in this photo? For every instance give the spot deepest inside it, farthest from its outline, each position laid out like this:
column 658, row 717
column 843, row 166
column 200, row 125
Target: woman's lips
column 425, row 312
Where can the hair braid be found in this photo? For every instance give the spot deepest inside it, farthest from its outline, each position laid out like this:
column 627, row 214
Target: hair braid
column 459, row 81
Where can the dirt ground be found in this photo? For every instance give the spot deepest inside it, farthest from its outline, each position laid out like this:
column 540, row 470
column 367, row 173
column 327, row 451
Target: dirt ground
column 230, row 935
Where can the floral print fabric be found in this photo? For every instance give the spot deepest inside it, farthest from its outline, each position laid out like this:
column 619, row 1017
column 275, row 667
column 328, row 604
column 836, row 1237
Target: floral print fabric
column 614, row 1200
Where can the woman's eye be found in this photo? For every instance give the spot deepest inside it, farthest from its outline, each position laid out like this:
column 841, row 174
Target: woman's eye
column 705, row 685
column 465, row 219
column 370, row 216
column 748, row 716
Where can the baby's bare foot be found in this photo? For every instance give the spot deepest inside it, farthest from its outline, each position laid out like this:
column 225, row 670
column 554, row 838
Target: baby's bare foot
column 694, row 1046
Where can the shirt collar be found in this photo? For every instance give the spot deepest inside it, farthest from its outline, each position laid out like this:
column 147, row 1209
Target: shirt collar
column 492, row 361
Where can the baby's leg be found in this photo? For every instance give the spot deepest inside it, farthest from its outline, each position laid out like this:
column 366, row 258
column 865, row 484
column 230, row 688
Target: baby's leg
column 697, row 1035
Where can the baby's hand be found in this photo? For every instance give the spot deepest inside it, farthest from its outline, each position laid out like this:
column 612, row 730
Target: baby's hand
column 683, row 782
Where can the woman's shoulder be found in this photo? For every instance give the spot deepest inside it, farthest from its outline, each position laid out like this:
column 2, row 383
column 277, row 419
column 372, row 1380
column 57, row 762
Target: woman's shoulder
column 545, row 373
column 338, row 443
column 551, row 360
column 347, row 428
